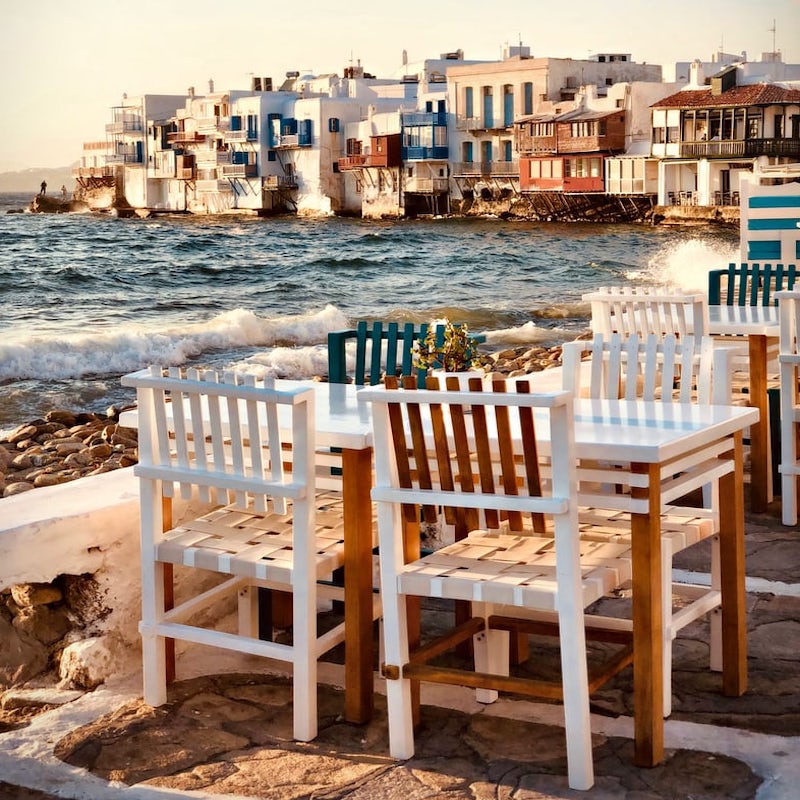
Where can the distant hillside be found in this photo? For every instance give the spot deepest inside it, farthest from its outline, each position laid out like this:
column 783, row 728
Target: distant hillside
column 29, row 180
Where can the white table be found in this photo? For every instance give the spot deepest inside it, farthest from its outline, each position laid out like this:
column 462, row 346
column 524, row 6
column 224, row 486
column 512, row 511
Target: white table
column 652, row 439
column 760, row 325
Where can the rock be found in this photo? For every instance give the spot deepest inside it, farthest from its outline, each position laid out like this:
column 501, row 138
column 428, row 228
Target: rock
column 37, row 698
column 46, row 625
column 23, row 657
column 65, row 418
column 22, row 433
column 27, row 595
column 86, row 664
column 18, row 487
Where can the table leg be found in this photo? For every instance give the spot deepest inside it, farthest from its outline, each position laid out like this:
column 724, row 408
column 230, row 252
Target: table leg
column 356, row 484
column 760, row 463
column 732, row 569
column 648, row 663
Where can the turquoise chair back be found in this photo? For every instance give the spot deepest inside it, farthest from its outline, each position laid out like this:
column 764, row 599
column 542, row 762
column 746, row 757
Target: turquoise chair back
column 749, row 284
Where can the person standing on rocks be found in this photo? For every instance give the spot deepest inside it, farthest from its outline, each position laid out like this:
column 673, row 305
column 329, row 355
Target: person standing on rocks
column 43, row 188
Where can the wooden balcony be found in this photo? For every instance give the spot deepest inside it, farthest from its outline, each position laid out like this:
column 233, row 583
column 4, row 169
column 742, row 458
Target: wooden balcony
column 240, row 170
column 742, row 148
column 185, row 137
column 353, row 162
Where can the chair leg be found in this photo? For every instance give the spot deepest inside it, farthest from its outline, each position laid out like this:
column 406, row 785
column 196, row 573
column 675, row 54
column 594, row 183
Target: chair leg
column 491, row 649
column 304, row 677
column 715, row 619
column 668, row 634
column 575, row 680
column 248, row 611
column 154, row 647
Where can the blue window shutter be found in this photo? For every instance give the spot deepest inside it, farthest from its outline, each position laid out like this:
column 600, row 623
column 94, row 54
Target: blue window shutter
column 468, row 102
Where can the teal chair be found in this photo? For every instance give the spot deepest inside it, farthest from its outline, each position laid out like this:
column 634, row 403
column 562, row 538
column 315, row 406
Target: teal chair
column 755, row 285
column 749, row 284
column 382, row 348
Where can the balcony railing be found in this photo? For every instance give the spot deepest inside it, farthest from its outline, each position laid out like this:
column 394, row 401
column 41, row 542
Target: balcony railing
column 487, row 169
column 787, row 148
column 279, row 181
column 93, row 172
column 470, row 168
column 469, row 124
column 124, row 158
column 126, row 126
column 211, row 158
column 240, row 170
column 426, row 185
column 353, row 162
column 240, row 136
column 420, row 118
column 210, row 185
column 185, row 137
column 741, row 148
column 425, row 153
column 504, row 168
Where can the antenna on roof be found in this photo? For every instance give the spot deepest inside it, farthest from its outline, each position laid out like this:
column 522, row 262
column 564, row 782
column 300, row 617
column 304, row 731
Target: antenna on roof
column 773, row 30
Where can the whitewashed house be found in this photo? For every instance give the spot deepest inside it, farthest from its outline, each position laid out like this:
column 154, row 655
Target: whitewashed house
column 707, row 136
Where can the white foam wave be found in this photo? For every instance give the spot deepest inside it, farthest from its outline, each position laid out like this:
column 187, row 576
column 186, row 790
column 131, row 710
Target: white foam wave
column 529, row 333
column 121, row 351
column 286, row 362
column 686, row 265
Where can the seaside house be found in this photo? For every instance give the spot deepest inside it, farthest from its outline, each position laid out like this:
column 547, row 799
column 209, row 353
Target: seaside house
column 486, row 99
column 710, row 134
column 117, row 174
column 396, row 162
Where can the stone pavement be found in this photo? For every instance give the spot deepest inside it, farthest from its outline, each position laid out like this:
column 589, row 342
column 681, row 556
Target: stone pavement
column 228, row 733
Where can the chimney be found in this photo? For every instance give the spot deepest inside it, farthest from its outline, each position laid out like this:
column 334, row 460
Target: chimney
column 211, row 86
column 190, row 91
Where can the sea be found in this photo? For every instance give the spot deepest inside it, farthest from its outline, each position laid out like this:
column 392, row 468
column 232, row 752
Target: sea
column 86, row 298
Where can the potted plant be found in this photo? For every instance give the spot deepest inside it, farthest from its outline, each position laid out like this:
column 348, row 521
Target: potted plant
column 448, row 349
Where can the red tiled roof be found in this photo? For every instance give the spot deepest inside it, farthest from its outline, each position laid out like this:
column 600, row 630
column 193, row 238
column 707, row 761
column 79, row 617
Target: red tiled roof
column 757, row 94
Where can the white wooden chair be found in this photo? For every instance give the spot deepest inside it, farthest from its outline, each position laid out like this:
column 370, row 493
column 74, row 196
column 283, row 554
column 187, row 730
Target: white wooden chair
column 789, row 364
column 643, row 310
column 668, row 370
column 219, row 437
column 430, row 452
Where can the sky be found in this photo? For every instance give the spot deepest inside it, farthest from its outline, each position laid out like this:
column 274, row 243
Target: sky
column 63, row 65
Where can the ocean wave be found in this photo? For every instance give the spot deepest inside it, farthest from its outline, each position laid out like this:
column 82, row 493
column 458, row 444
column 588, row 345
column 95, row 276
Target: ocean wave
column 115, row 353
column 529, row 333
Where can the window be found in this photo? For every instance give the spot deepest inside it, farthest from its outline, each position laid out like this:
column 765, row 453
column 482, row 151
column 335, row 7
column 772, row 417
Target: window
column 673, row 134
column 486, row 151
column 411, row 172
column 779, row 126
column 466, row 152
column 508, row 105
column 507, row 150
column 469, row 110
column 488, row 107
column 527, row 98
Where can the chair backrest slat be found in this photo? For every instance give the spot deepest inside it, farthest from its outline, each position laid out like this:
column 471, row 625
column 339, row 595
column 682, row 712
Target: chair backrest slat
column 643, row 310
column 666, row 368
column 475, row 452
column 221, row 435
column 750, row 284
column 381, row 348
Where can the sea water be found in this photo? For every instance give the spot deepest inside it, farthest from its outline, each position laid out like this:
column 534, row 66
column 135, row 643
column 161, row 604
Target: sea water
column 86, row 298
